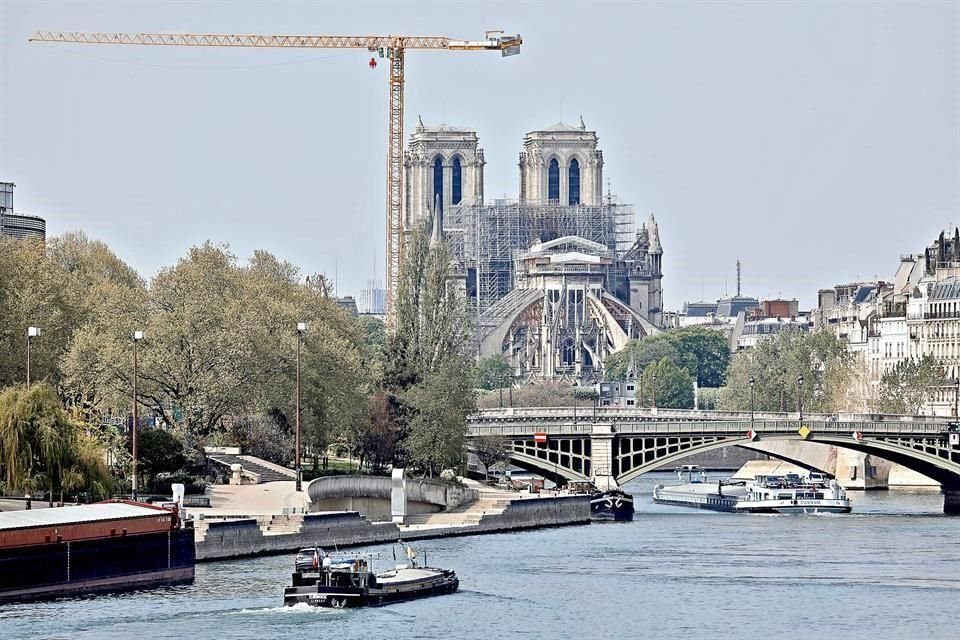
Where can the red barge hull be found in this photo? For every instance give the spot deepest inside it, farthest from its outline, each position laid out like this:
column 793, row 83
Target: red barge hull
column 99, row 548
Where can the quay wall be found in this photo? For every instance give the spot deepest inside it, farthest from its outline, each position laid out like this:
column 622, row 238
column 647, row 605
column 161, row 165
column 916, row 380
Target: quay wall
column 370, row 495
column 246, row 537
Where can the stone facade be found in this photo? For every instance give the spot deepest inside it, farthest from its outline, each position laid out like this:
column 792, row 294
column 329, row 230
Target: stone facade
column 569, row 157
column 441, row 162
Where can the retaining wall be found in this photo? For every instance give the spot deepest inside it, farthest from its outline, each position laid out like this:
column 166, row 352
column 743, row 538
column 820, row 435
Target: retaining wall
column 244, row 537
column 370, row 495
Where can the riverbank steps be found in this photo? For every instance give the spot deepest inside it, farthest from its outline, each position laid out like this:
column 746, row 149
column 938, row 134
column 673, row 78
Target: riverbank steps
column 235, row 536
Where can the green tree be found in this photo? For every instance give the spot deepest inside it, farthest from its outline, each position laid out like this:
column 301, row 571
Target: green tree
column 494, row 372
column 637, row 355
column 819, row 358
column 673, row 386
column 158, row 451
column 704, row 353
column 43, row 448
column 907, row 386
column 429, row 364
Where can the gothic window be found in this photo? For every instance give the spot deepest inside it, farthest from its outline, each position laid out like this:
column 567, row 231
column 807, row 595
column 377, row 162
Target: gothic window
column 457, row 189
column 574, row 182
column 568, row 353
column 553, row 181
column 437, row 182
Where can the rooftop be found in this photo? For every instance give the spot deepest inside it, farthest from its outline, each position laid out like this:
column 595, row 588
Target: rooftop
column 74, row 515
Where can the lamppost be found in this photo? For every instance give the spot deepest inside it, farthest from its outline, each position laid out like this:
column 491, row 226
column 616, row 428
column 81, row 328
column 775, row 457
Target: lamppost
column 137, row 337
column 654, row 390
column 301, row 329
column 800, row 397
column 752, row 382
column 32, row 332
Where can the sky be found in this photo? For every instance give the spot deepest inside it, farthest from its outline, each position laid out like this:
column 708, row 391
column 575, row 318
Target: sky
column 816, row 142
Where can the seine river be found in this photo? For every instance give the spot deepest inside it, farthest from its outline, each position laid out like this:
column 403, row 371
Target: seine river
column 890, row 570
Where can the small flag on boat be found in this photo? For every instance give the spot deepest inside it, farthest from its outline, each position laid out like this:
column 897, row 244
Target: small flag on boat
column 857, row 436
column 540, row 437
column 804, row 432
column 752, row 434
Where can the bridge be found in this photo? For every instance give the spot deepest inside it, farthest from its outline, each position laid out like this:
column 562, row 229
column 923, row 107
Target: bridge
column 611, row 446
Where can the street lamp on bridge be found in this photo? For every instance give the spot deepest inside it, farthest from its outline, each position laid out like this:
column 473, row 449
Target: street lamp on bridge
column 654, row 390
column 752, row 382
column 800, row 397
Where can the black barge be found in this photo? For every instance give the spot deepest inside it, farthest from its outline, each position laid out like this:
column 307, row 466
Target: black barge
column 321, row 580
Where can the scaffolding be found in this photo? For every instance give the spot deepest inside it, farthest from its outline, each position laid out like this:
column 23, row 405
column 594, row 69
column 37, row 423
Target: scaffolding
column 486, row 239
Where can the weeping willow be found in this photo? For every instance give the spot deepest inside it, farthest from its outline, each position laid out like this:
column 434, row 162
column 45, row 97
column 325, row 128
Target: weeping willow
column 43, row 448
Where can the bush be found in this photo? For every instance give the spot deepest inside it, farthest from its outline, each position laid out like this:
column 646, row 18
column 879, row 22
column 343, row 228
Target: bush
column 163, row 484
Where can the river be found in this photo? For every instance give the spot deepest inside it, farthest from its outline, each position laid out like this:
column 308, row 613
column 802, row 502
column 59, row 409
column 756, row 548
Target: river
column 890, row 570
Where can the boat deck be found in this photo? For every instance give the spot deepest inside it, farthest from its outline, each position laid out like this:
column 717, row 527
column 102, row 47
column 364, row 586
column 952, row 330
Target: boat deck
column 405, row 575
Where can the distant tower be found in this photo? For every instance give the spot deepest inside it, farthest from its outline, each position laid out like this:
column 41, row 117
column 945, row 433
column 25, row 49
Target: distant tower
column 738, row 277
column 442, row 163
column 561, row 165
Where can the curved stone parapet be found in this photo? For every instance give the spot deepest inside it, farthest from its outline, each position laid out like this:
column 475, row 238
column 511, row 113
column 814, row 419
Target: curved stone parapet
column 370, row 495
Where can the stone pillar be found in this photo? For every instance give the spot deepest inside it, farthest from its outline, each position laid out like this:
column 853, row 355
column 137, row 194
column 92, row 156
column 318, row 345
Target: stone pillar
column 951, row 500
column 398, row 496
column 602, row 456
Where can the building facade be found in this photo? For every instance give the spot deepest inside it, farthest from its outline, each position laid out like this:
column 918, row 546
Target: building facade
column 18, row 225
column 557, row 279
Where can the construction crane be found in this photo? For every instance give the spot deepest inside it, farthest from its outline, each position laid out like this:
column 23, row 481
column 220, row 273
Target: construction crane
column 392, row 48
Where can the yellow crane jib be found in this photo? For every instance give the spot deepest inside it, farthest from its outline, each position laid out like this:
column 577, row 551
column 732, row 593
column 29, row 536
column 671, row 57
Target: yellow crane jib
column 390, row 46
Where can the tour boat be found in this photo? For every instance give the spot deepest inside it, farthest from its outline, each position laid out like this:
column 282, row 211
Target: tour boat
column 764, row 494
column 614, row 504
column 322, row 580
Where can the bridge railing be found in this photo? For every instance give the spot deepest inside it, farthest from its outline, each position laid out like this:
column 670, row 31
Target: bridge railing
column 666, row 427
column 606, row 414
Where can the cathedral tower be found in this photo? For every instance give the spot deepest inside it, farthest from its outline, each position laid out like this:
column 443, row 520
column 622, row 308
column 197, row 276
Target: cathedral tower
column 561, row 165
column 442, row 164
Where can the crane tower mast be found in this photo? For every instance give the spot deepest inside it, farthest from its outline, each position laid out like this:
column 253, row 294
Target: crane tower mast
column 391, row 47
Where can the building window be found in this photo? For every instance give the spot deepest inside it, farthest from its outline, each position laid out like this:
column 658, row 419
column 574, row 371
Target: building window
column 438, row 182
column 553, row 181
column 457, row 189
column 574, row 182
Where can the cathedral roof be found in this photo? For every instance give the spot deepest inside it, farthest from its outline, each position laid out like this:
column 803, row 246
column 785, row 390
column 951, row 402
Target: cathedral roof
column 561, row 127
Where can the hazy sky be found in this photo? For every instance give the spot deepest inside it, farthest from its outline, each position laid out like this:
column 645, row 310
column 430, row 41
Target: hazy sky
column 815, row 141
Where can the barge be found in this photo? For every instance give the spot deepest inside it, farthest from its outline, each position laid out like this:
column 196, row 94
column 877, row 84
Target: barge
column 107, row 546
column 764, row 494
column 614, row 504
column 322, row 580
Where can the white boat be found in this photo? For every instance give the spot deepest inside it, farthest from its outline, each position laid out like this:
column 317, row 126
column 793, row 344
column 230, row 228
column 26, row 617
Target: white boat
column 793, row 494
column 764, row 494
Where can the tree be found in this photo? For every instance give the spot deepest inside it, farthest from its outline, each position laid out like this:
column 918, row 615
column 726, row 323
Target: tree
column 494, row 372
column 158, row 451
column 491, row 451
column 704, row 353
column 907, row 386
column 43, row 447
column 775, row 364
column 429, row 363
column 637, row 355
column 672, row 386
column 376, row 441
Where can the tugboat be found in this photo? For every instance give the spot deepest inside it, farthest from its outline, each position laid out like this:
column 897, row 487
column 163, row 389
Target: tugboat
column 322, row 580
column 613, row 504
